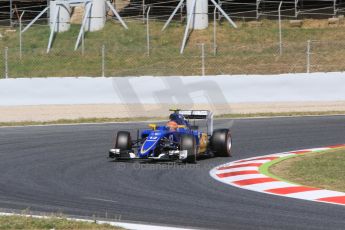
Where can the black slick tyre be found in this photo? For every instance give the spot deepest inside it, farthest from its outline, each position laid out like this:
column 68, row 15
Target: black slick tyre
column 187, row 142
column 221, row 143
column 123, row 141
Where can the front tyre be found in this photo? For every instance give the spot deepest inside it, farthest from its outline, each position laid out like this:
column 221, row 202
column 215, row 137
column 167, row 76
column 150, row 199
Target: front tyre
column 123, row 141
column 187, row 142
column 221, row 143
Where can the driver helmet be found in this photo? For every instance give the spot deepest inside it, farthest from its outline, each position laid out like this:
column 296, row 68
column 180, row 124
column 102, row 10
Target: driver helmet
column 178, row 118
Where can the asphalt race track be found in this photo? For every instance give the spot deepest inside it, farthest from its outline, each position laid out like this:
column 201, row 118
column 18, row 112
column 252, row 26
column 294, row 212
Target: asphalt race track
column 65, row 169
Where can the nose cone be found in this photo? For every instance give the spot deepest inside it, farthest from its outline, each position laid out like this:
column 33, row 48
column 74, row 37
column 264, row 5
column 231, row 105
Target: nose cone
column 147, row 147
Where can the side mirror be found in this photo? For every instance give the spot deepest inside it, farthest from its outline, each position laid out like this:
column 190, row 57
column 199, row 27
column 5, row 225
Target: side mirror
column 153, row 126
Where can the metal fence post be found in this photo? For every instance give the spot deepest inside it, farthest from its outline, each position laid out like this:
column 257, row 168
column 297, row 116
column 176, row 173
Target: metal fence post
column 83, row 43
column 308, row 55
column 144, row 9
column 103, row 60
column 11, row 13
column 148, row 30
column 280, row 30
column 6, row 62
column 181, row 13
column 20, row 36
column 203, row 59
column 215, row 32
column 257, row 9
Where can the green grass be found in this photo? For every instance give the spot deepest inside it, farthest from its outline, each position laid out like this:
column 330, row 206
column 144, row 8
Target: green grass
column 245, row 50
column 321, row 170
column 136, row 119
column 265, row 169
column 21, row 222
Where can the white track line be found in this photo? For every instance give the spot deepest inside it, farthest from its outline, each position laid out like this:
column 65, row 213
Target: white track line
column 243, row 177
column 265, row 186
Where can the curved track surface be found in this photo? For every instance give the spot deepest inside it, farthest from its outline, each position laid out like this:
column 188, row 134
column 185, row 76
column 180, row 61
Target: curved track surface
column 65, row 169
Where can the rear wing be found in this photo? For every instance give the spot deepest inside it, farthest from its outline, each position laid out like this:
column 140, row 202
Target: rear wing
column 194, row 114
column 199, row 115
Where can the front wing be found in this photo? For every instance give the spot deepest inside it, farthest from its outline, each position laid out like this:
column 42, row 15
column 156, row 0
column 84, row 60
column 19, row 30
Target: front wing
column 172, row 155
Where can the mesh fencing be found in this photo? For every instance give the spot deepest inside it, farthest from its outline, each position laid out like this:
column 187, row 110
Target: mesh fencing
column 2, row 63
column 203, row 59
column 327, row 56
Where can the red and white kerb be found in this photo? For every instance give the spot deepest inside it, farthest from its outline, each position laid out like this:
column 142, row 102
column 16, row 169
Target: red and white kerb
column 245, row 174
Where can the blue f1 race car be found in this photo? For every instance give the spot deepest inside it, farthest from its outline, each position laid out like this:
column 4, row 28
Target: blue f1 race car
column 178, row 140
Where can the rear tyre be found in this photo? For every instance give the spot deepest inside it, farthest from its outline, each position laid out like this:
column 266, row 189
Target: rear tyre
column 221, row 143
column 123, row 141
column 187, row 142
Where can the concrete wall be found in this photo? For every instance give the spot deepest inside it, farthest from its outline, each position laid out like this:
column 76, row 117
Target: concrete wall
column 318, row 87
column 49, row 99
